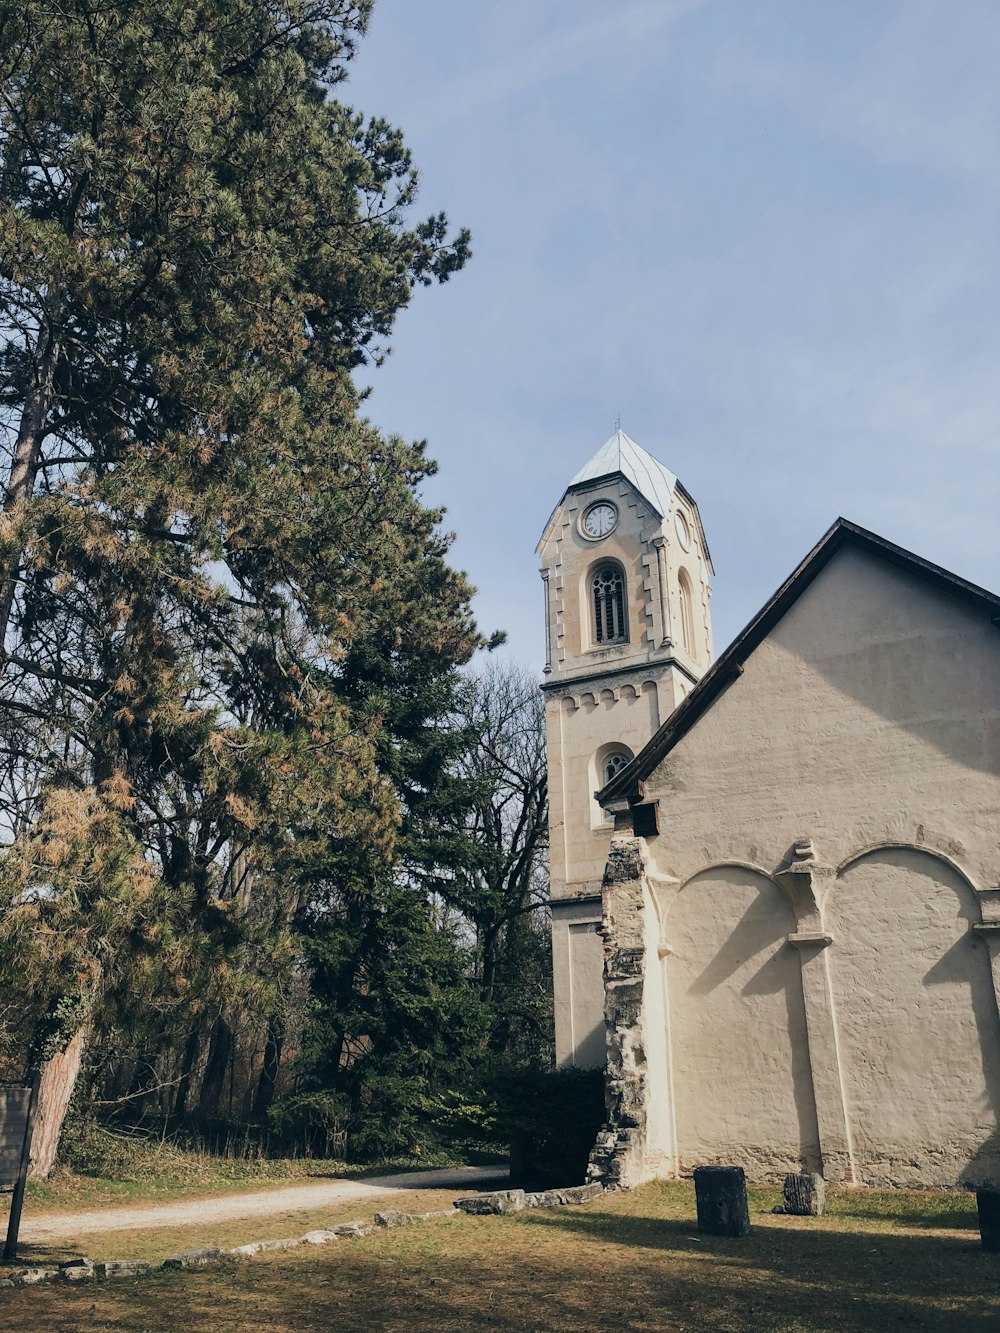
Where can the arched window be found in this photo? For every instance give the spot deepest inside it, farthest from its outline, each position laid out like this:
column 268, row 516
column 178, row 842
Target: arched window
column 608, row 587
column 686, row 599
column 605, row 763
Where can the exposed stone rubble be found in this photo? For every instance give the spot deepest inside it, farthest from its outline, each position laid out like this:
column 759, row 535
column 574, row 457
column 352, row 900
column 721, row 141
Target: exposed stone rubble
column 499, row 1201
column 617, row 1158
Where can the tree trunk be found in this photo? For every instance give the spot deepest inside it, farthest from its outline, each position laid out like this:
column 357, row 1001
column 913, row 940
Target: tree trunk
column 58, row 1080
column 491, row 959
column 264, row 1095
column 24, row 464
column 220, row 1049
column 187, row 1067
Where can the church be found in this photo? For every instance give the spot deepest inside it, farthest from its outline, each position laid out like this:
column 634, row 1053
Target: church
column 775, row 874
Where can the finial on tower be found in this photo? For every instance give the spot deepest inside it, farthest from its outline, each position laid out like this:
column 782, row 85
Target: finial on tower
column 618, row 422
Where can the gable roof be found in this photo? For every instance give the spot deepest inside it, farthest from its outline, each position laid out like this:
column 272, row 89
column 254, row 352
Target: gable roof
column 729, row 666
column 622, row 456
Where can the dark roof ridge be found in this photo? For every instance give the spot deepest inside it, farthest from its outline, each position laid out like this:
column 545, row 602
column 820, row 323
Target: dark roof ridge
column 729, row 665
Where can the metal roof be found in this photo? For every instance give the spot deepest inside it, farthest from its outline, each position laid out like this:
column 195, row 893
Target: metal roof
column 621, row 454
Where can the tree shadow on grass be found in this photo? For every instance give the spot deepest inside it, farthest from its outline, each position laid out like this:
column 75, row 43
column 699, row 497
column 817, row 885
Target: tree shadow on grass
column 539, row 1273
column 830, row 1279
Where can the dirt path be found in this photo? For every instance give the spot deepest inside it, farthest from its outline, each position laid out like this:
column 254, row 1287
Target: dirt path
column 259, row 1203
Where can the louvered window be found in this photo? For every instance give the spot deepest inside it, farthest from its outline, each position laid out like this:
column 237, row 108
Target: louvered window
column 609, row 605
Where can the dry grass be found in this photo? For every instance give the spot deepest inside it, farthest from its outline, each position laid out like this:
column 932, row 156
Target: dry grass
column 631, row 1261
column 157, row 1243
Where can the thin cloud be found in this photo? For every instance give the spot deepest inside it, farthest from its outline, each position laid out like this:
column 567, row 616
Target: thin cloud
column 558, row 56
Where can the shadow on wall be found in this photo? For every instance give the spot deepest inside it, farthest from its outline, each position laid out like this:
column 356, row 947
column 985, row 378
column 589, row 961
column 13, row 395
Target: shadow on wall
column 739, row 1049
column 917, row 1019
column 911, row 654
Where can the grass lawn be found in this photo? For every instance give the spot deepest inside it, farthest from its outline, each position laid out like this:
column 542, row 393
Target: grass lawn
column 628, row 1261
column 158, row 1243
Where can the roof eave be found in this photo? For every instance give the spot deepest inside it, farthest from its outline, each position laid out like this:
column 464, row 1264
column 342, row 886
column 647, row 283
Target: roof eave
column 727, row 668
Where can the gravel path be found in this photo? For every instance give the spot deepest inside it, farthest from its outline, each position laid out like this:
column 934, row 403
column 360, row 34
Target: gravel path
column 260, row 1203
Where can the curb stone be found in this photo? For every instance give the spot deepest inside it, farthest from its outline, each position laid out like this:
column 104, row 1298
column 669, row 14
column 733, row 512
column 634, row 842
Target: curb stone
column 262, row 1246
column 199, row 1258
column 78, row 1270
column 114, row 1268
column 496, row 1202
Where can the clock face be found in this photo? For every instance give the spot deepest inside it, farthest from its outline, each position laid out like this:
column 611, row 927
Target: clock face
column 600, row 519
column 683, row 531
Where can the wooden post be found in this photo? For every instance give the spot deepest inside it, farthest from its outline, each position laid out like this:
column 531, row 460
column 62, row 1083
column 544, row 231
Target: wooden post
column 17, row 1199
column 721, row 1196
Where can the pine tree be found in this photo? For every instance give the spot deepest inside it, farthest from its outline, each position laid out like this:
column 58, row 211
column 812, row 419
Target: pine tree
column 201, row 539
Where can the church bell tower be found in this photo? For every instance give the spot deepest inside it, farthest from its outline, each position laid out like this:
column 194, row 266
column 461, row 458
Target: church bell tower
column 625, row 568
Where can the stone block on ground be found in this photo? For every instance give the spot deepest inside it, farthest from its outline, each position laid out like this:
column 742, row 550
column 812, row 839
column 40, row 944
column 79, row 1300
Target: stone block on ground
column 260, row 1246
column 721, row 1198
column 199, row 1258
column 114, row 1268
column 393, row 1218
column 988, row 1207
column 78, row 1270
column 322, row 1236
column 498, row 1201
column 351, row 1229
column 580, row 1193
column 542, row 1199
column 437, row 1212
column 804, row 1194
column 27, row 1277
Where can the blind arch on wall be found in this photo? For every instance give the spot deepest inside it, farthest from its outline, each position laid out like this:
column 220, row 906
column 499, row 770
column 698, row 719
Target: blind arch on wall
column 608, row 602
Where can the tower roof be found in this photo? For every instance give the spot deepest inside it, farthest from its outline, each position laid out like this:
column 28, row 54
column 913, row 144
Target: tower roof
column 621, row 456
column 651, row 479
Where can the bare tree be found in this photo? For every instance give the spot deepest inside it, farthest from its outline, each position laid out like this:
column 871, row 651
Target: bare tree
column 506, row 880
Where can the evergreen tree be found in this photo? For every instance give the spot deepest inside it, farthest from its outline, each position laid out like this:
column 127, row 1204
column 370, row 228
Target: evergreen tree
column 203, row 547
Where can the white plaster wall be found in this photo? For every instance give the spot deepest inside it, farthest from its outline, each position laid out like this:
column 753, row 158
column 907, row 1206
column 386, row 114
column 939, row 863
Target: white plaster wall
column 661, row 1148
column 737, row 1027
column 919, row 1032
column 870, row 716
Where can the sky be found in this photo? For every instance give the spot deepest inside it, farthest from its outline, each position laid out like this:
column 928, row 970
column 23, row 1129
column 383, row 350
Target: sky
column 765, row 235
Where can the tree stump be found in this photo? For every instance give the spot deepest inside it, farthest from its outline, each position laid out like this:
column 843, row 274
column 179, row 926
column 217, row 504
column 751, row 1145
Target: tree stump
column 805, row 1194
column 988, row 1204
column 721, row 1196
